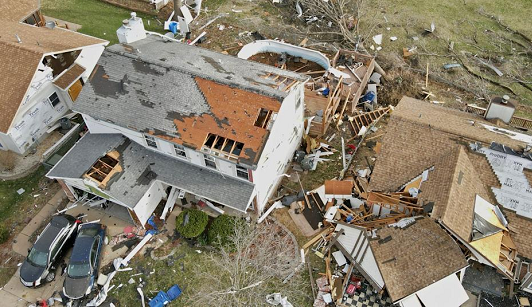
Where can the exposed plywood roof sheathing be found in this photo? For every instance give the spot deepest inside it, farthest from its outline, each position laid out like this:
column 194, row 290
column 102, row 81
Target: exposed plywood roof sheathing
column 104, row 169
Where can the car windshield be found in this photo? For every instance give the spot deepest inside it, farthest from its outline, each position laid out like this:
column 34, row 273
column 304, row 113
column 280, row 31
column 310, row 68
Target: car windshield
column 78, row 270
column 38, row 258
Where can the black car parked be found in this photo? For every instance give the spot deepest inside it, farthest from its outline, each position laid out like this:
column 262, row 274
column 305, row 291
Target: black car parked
column 82, row 269
column 48, row 250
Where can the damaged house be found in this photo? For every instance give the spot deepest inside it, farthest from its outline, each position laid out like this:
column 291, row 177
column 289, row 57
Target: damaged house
column 469, row 176
column 169, row 122
column 47, row 67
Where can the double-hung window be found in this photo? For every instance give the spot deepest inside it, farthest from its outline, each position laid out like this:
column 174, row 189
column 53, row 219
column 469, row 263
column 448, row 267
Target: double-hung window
column 150, row 141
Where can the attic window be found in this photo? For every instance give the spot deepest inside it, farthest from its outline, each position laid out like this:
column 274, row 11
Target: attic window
column 263, row 118
column 102, row 170
column 222, row 146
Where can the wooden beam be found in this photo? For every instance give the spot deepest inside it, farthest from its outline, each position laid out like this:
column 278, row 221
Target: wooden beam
column 316, row 238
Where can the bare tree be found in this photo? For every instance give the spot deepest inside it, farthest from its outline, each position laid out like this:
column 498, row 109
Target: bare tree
column 254, row 264
column 344, row 18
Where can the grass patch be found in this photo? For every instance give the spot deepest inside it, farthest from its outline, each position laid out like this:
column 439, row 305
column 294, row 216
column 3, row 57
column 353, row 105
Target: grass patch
column 6, row 274
column 97, row 18
column 11, row 203
column 473, row 36
column 179, row 272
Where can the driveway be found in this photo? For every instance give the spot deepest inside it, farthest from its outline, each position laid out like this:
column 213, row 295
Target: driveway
column 15, row 294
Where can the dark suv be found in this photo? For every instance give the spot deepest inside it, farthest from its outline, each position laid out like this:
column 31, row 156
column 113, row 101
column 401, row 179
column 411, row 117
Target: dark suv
column 48, row 250
column 82, row 270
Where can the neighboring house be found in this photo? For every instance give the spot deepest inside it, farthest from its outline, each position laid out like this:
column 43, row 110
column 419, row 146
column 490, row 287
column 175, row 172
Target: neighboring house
column 443, row 153
column 419, row 263
column 43, row 70
column 171, row 122
column 415, row 260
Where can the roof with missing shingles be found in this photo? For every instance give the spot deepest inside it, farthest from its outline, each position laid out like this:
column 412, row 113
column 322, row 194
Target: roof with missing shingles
column 182, row 93
column 141, row 167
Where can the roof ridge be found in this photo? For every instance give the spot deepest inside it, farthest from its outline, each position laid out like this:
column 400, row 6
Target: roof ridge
column 19, row 46
column 193, row 73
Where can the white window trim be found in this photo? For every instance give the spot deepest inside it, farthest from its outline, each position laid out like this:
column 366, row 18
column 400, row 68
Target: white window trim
column 211, row 159
column 151, row 138
column 50, row 101
column 182, row 149
column 242, row 169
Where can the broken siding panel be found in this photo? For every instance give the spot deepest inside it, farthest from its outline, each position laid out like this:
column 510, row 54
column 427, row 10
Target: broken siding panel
column 356, row 244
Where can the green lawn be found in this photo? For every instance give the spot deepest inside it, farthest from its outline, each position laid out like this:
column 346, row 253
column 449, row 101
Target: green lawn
column 97, row 18
column 458, row 21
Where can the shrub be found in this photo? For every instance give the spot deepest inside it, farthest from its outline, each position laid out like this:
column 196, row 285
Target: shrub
column 4, row 234
column 221, row 229
column 191, row 223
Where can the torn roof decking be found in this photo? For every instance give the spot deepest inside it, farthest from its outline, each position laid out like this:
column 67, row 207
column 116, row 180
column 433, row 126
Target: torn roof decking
column 412, row 258
column 69, row 76
column 142, row 167
column 182, row 93
column 19, row 61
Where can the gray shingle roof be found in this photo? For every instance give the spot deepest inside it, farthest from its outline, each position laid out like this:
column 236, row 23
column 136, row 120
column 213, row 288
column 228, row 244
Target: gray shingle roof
column 142, row 166
column 208, row 64
column 151, row 94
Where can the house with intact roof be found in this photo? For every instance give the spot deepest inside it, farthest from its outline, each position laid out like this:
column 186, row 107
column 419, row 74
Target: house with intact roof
column 173, row 123
column 44, row 68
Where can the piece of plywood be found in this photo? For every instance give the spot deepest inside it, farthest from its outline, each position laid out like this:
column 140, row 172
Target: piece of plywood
column 75, row 89
column 446, row 292
column 337, row 187
column 489, row 247
column 414, row 184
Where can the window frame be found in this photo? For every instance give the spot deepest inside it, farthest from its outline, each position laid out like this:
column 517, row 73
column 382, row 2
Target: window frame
column 149, row 138
column 179, row 150
column 208, row 159
column 242, row 170
column 55, row 101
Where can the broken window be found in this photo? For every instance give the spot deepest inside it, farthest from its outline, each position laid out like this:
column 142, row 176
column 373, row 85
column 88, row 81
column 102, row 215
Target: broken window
column 150, row 141
column 220, row 145
column 35, row 20
column 242, row 172
column 180, row 150
column 54, row 99
column 209, row 161
column 102, row 170
column 263, row 118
